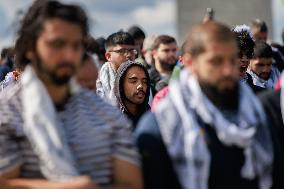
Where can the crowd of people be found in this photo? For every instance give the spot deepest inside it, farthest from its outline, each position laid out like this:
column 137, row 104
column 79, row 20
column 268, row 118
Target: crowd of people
column 133, row 111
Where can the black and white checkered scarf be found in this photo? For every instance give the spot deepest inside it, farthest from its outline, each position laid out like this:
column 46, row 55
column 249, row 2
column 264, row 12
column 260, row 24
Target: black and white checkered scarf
column 181, row 109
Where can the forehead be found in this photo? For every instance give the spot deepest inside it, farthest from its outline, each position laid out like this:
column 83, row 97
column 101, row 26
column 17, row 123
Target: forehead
column 225, row 48
column 135, row 71
column 263, row 61
column 117, row 47
column 168, row 45
column 58, row 28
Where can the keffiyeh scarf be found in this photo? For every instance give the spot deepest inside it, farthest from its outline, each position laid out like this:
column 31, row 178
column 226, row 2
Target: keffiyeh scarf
column 185, row 104
column 270, row 83
column 105, row 84
column 44, row 130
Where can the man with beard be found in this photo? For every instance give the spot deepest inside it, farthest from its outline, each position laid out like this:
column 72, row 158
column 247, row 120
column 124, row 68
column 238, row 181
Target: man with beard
column 203, row 135
column 132, row 90
column 261, row 70
column 54, row 134
column 165, row 56
column 259, row 31
column 120, row 47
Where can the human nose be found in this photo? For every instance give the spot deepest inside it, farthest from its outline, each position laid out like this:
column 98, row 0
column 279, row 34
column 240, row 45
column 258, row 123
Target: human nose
column 129, row 56
column 229, row 68
column 173, row 53
column 139, row 86
column 267, row 68
column 70, row 54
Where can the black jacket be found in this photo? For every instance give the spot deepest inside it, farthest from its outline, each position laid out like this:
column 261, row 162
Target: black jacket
column 271, row 103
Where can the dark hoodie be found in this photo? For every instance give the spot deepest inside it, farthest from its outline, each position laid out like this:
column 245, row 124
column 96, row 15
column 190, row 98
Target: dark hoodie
column 120, row 95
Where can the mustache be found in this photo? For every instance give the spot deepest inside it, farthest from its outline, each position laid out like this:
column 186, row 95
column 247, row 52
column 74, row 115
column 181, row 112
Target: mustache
column 140, row 91
column 265, row 73
column 64, row 65
column 228, row 78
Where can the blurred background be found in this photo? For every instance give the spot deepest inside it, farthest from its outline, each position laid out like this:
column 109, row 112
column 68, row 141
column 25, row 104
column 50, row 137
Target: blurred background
column 172, row 17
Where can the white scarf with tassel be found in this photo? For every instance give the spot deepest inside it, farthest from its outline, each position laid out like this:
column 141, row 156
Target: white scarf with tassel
column 43, row 129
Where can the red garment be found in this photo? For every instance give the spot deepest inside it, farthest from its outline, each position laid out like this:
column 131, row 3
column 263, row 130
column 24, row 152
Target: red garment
column 159, row 96
column 278, row 84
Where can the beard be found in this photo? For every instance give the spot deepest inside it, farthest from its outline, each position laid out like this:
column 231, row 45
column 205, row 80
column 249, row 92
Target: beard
column 225, row 100
column 265, row 75
column 168, row 65
column 52, row 75
column 131, row 98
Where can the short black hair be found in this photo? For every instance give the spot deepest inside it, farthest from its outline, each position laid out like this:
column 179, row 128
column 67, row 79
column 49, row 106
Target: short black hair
column 119, row 38
column 33, row 21
column 262, row 50
column 7, row 52
column 101, row 42
column 92, row 46
column 136, row 32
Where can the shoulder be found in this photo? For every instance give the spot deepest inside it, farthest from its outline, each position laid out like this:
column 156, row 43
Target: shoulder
column 147, row 128
column 89, row 100
column 270, row 97
column 159, row 96
column 147, row 123
column 11, row 106
column 105, row 67
column 256, row 89
column 10, row 93
column 10, row 96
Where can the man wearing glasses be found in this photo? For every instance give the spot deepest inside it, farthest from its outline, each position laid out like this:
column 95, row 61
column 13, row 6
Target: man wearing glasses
column 120, row 47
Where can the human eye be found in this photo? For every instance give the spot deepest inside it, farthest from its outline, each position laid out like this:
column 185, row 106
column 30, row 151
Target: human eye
column 56, row 44
column 260, row 65
column 122, row 51
column 216, row 61
column 134, row 51
column 233, row 61
column 77, row 46
column 166, row 50
column 144, row 81
column 132, row 80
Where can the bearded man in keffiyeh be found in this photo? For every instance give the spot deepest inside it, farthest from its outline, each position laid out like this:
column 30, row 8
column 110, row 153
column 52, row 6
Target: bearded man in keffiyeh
column 210, row 132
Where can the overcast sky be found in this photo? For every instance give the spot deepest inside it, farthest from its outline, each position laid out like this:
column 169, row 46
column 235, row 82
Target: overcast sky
column 106, row 16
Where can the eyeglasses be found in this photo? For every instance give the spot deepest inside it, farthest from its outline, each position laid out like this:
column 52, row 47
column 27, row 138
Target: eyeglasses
column 125, row 51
